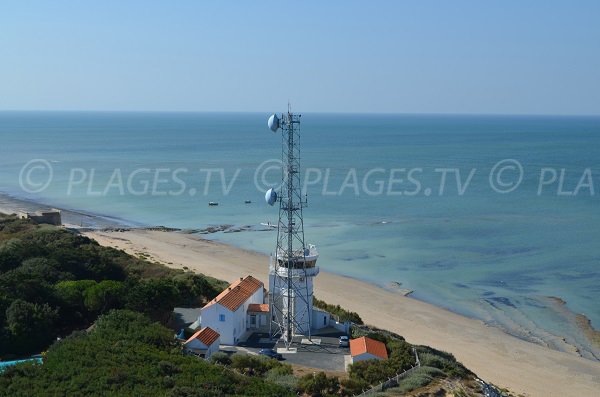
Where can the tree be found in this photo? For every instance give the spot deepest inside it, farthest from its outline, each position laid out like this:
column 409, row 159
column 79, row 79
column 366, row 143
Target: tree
column 43, row 268
column 157, row 298
column 127, row 354
column 247, row 364
column 31, row 325
column 106, row 295
column 71, row 293
column 12, row 252
column 220, row 358
column 352, row 386
column 318, row 384
column 194, row 289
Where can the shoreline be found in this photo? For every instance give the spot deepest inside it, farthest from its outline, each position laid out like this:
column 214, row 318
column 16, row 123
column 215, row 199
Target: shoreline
column 10, row 204
column 81, row 220
column 493, row 353
column 507, row 361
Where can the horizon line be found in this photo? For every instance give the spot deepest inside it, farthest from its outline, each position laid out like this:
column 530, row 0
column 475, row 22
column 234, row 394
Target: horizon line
column 482, row 114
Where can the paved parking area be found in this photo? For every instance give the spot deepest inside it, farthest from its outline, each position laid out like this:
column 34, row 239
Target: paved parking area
column 324, row 353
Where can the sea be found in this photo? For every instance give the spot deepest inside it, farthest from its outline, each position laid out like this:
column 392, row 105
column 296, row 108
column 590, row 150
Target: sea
column 493, row 217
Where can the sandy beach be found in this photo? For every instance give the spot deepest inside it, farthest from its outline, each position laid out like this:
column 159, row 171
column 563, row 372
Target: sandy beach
column 522, row 367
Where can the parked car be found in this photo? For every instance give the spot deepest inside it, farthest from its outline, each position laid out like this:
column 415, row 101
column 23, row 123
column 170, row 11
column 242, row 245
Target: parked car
column 270, row 353
column 344, row 341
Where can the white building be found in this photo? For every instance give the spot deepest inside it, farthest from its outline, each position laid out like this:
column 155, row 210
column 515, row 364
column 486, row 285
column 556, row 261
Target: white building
column 258, row 316
column 228, row 312
column 302, row 270
column 320, row 319
column 364, row 348
column 203, row 343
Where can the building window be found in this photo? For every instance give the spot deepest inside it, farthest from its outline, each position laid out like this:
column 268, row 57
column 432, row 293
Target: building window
column 221, row 317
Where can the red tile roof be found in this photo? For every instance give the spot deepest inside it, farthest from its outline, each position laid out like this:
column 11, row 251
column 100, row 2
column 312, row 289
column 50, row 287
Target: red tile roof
column 258, row 308
column 237, row 293
column 206, row 335
column 363, row 345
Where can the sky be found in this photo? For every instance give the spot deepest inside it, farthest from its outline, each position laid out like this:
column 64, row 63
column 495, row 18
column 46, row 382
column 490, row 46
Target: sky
column 481, row 57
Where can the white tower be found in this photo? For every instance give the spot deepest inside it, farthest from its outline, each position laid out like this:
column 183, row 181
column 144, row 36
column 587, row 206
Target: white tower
column 293, row 265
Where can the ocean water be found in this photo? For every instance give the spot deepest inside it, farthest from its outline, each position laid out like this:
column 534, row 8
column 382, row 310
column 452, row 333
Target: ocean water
column 488, row 216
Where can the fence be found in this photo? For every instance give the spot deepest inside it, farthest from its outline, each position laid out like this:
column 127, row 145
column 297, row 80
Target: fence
column 393, row 381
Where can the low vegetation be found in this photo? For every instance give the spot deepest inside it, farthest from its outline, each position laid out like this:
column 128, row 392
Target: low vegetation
column 53, row 282
column 127, row 354
column 109, row 310
column 341, row 314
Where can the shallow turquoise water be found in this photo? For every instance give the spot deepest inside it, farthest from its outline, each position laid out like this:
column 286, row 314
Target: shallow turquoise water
column 482, row 253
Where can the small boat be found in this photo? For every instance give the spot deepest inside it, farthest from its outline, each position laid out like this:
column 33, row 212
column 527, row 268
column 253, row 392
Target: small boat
column 268, row 224
column 213, row 203
column 248, row 202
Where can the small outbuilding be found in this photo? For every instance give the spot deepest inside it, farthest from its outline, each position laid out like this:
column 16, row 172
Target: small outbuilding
column 258, row 316
column 364, row 348
column 51, row 216
column 203, row 343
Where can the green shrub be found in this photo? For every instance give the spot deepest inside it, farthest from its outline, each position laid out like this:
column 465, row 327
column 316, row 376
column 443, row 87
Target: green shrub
column 318, row 384
column 252, row 365
column 352, row 386
column 341, row 314
column 442, row 360
column 220, row 358
column 288, row 381
column 412, row 382
column 120, row 357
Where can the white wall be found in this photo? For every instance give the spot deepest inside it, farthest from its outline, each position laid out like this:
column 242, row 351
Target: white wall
column 364, row 356
column 234, row 325
column 213, row 348
column 241, row 316
column 198, row 345
column 344, row 327
column 320, row 319
column 210, row 318
column 303, row 310
column 261, row 321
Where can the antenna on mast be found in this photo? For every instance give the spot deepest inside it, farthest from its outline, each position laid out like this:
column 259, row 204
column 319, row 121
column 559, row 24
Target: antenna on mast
column 293, row 266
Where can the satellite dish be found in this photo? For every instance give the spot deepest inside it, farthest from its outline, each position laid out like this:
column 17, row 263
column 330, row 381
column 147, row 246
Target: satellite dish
column 271, row 196
column 273, row 123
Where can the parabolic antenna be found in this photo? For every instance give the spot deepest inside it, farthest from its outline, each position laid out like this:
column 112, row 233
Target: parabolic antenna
column 271, row 196
column 273, row 123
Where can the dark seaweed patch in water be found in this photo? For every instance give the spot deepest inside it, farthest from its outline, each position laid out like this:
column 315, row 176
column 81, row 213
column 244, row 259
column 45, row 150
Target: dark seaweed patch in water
column 594, row 288
column 438, row 234
column 355, row 258
column 534, row 303
column 578, row 276
column 515, row 281
column 500, row 299
column 437, row 265
column 495, row 251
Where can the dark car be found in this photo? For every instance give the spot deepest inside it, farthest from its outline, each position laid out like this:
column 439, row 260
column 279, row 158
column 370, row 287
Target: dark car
column 344, row 341
column 270, row 353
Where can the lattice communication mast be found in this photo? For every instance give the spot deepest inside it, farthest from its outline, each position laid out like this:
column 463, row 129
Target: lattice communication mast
column 293, row 266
